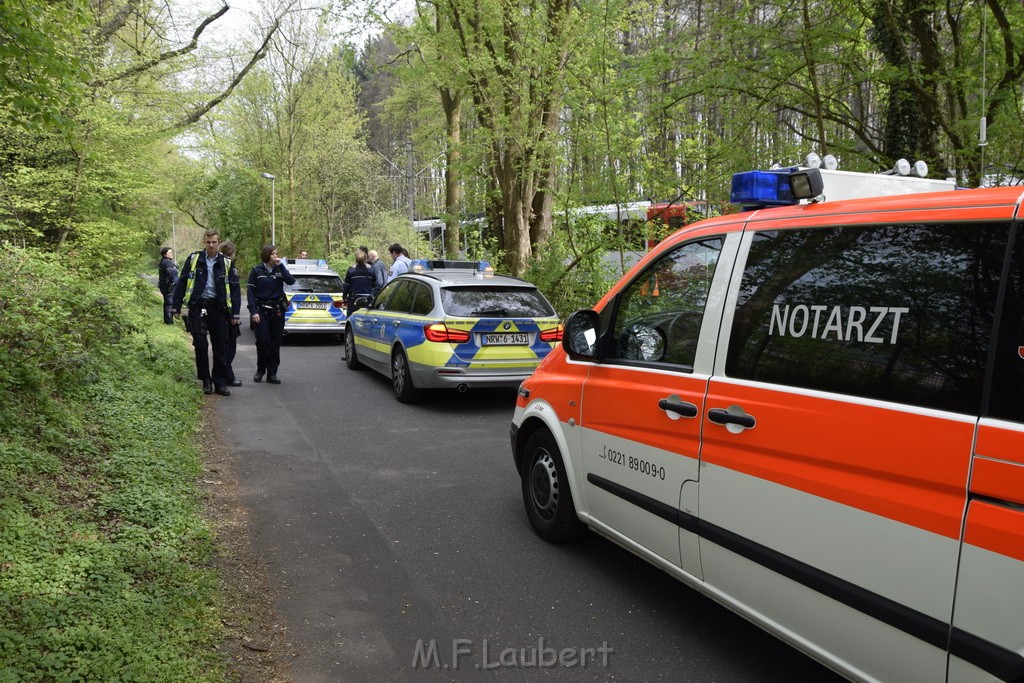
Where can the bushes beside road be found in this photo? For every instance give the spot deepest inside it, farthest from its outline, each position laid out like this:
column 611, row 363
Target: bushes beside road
column 103, row 548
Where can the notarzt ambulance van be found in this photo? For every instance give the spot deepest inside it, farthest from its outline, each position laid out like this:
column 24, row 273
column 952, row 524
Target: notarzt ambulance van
column 813, row 414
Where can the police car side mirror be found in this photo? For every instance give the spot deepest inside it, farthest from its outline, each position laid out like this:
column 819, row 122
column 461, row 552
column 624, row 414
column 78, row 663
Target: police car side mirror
column 579, row 338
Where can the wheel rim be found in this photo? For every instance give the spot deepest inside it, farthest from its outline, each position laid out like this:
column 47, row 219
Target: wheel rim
column 398, row 373
column 544, row 486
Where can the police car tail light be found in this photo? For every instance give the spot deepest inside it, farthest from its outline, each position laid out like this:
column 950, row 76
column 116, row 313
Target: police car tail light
column 552, row 335
column 439, row 332
column 338, row 303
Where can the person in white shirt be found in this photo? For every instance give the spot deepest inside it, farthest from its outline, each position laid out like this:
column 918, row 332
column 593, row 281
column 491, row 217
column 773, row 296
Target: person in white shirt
column 401, row 259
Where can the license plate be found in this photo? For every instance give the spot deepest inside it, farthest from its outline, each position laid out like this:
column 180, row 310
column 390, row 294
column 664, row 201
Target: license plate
column 323, row 305
column 507, row 339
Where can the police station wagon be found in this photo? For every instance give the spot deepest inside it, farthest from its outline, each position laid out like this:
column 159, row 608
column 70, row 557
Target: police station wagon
column 315, row 302
column 814, row 414
column 452, row 325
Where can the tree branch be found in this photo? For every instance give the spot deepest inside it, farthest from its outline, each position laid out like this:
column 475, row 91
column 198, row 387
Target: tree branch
column 144, row 66
column 200, row 111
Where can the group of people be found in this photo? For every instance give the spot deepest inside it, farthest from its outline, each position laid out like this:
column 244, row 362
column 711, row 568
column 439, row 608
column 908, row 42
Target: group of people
column 208, row 289
column 368, row 276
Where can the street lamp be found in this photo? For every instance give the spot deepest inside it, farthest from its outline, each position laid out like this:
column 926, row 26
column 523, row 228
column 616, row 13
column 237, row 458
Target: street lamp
column 174, row 236
column 273, row 214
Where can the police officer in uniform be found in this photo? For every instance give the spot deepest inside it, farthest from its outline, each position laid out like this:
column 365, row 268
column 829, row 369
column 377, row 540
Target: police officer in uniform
column 208, row 286
column 168, row 280
column 267, row 302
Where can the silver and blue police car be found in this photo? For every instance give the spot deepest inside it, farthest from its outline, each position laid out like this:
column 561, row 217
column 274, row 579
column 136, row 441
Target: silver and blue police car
column 454, row 325
column 315, row 301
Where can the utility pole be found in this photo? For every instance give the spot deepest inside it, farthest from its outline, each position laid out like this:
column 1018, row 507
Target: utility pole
column 410, row 175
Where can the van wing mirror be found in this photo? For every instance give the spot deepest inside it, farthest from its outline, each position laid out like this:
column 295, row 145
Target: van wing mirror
column 579, row 339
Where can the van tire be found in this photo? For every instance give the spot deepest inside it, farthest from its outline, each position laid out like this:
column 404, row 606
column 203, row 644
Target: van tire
column 546, row 493
column 351, row 360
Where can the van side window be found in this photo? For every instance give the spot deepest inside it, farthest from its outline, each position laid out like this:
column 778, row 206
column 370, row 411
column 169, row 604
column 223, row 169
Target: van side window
column 659, row 315
column 893, row 312
column 1007, row 401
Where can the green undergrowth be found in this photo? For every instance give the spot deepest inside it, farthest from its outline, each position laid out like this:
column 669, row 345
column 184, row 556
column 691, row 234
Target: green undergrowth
column 104, row 553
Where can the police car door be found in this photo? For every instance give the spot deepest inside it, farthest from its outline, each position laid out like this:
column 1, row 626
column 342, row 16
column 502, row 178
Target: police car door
column 839, row 426
column 387, row 321
column 642, row 402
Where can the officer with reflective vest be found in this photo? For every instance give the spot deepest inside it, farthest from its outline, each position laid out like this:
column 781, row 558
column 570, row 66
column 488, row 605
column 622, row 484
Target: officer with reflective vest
column 208, row 287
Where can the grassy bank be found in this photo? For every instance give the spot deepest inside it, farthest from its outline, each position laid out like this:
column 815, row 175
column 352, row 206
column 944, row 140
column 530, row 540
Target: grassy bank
column 103, row 549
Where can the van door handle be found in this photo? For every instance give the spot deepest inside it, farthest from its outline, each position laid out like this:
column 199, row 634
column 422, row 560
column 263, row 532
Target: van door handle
column 723, row 417
column 684, row 409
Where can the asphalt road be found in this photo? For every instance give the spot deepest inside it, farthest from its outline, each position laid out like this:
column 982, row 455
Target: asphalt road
column 399, row 549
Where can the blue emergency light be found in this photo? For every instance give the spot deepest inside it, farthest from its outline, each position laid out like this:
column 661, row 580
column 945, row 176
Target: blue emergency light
column 438, row 264
column 763, row 188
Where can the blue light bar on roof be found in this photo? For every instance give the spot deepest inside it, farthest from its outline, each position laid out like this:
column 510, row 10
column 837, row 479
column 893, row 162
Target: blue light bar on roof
column 762, row 188
column 427, row 264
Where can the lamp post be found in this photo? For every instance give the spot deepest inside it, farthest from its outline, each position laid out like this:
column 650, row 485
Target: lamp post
column 273, row 213
column 174, row 235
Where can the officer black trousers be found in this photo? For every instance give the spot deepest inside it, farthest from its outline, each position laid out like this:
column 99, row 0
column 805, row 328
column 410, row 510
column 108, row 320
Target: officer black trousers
column 168, row 316
column 269, row 332
column 214, row 335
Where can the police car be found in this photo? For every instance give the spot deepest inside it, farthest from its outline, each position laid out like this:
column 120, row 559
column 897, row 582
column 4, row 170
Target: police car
column 810, row 411
column 455, row 325
column 315, row 301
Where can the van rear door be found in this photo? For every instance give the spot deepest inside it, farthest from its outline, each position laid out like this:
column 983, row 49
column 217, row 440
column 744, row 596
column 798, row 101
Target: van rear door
column 988, row 617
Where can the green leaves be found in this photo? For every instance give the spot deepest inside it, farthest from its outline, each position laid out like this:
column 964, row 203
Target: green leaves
column 103, row 550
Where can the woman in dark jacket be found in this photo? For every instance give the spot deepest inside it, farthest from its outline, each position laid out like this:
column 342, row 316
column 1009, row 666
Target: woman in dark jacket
column 267, row 303
column 358, row 282
column 168, row 280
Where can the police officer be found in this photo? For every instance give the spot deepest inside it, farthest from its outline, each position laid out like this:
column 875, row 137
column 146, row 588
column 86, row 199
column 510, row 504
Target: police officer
column 267, row 303
column 208, row 286
column 168, row 280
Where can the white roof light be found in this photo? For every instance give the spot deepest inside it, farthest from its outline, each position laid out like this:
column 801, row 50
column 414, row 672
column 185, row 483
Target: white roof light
column 920, row 169
column 812, row 161
column 830, row 162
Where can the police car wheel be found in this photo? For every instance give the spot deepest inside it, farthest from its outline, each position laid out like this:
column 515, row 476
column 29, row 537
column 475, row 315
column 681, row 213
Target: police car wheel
column 546, row 494
column 401, row 378
column 351, row 360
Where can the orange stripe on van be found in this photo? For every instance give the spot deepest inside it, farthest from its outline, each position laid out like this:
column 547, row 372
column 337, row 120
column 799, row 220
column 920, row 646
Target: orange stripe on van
column 1001, row 444
column 998, row 480
column 996, row 528
column 905, row 465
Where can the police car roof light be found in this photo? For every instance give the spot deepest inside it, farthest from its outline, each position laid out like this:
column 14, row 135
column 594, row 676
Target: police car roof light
column 439, row 264
column 830, row 163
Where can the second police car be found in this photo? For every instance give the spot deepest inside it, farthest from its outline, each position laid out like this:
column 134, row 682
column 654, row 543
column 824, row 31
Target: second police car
column 315, row 301
column 455, row 325
column 813, row 414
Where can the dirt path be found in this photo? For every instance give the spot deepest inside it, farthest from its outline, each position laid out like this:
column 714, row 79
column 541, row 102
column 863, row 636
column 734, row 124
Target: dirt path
column 257, row 649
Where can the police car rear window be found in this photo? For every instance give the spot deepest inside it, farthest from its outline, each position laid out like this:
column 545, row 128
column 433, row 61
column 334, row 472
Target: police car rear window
column 490, row 302
column 315, row 284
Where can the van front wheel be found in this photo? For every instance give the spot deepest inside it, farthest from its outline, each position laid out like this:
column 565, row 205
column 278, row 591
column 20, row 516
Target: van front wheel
column 546, row 494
